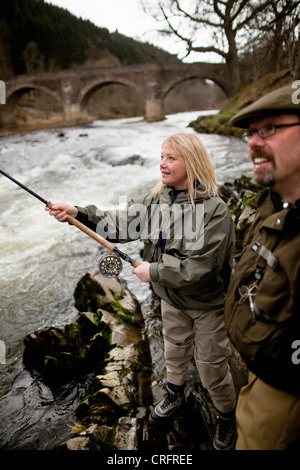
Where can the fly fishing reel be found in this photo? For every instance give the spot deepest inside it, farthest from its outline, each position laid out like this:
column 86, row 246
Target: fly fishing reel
column 110, row 265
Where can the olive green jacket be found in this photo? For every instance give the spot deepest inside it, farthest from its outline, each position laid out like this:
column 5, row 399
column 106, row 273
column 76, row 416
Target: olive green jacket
column 263, row 324
column 190, row 251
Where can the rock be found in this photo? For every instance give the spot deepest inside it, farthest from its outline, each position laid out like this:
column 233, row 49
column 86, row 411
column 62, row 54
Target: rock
column 120, row 398
column 77, row 443
column 240, row 199
column 116, row 396
column 63, row 354
column 128, row 433
column 95, row 292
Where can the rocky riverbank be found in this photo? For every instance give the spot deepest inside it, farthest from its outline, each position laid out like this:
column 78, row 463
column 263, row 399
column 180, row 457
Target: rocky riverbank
column 108, row 344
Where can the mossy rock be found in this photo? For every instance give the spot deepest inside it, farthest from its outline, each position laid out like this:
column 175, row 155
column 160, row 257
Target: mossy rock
column 240, row 197
column 94, row 292
column 63, row 354
column 86, row 294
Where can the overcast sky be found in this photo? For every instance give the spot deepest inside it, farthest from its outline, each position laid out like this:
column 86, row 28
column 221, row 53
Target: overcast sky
column 128, row 17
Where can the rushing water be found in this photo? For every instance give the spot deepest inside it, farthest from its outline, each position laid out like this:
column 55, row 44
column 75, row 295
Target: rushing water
column 41, row 261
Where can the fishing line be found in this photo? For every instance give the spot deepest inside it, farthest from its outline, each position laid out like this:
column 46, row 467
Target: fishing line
column 94, row 261
column 110, row 265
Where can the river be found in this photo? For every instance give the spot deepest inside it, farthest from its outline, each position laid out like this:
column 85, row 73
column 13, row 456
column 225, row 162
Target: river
column 41, row 261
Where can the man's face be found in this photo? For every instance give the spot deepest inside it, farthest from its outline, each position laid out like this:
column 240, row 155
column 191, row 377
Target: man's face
column 276, row 159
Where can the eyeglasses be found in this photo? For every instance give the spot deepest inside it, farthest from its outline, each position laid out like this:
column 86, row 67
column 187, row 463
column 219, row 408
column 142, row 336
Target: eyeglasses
column 266, row 131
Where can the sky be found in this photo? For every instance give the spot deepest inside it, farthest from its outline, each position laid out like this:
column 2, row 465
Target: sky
column 128, row 17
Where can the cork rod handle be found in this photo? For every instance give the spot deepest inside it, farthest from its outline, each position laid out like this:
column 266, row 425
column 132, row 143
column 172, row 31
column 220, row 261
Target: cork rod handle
column 107, row 244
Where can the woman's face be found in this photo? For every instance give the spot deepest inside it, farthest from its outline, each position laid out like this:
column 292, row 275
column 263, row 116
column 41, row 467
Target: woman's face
column 173, row 168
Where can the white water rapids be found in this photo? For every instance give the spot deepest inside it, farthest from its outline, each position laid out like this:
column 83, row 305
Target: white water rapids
column 41, row 261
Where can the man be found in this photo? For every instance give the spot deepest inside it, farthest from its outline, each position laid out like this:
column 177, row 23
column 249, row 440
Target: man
column 262, row 310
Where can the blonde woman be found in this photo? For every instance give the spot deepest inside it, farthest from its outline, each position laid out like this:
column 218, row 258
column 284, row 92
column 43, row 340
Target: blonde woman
column 188, row 237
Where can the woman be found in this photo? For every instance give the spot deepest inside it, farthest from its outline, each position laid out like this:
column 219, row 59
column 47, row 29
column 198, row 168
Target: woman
column 188, row 237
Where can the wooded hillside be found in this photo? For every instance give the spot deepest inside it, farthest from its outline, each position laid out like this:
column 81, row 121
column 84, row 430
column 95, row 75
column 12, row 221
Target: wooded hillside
column 36, row 36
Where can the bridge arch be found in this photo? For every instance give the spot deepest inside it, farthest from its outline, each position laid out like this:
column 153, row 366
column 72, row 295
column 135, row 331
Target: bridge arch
column 87, row 92
column 15, row 94
column 192, row 93
column 177, row 81
column 156, row 104
column 9, row 117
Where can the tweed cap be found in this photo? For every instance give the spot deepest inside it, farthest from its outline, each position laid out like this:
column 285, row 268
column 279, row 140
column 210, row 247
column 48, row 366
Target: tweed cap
column 281, row 101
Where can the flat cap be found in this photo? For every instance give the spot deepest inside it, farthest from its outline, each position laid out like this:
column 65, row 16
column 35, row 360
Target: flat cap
column 281, row 101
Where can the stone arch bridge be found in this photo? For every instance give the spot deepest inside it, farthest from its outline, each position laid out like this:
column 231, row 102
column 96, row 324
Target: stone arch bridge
column 71, row 89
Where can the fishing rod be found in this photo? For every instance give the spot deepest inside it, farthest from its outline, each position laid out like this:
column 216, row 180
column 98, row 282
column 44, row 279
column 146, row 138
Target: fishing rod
column 110, row 265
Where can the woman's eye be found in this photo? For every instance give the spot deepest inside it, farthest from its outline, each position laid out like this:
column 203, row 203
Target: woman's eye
column 169, row 158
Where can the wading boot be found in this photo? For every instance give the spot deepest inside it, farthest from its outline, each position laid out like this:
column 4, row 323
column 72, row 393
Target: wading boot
column 225, row 436
column 168, row 406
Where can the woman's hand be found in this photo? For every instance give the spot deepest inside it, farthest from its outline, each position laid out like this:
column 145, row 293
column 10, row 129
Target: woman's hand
column 61, row 211
column 143, row 271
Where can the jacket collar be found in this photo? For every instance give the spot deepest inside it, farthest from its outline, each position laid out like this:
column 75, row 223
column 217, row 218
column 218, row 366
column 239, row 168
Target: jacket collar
column 272, row 212
column 182, row 195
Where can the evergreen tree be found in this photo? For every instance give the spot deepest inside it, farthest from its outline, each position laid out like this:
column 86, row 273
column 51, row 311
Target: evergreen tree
column 63, row 40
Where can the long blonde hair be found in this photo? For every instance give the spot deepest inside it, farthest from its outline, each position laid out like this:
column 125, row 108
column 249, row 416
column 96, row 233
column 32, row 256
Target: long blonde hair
column 199, row 166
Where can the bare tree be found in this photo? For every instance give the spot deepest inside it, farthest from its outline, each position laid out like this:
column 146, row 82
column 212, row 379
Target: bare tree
column 276, row 31
column 227, row 25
